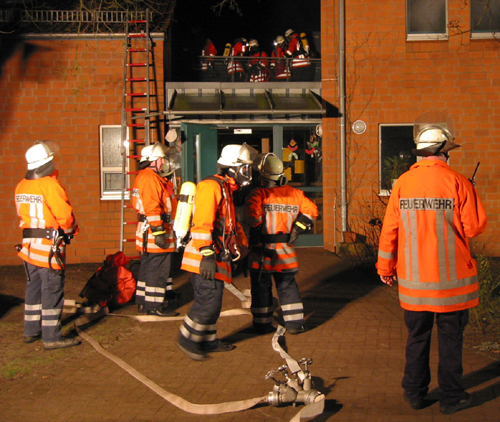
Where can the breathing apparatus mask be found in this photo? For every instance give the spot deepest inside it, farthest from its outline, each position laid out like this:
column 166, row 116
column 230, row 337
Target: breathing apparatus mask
column 237, row 161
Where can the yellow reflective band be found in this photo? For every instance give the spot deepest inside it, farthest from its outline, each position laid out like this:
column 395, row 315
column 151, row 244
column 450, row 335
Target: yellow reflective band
column 207, row 252
column 157, row 233
column 302, row 226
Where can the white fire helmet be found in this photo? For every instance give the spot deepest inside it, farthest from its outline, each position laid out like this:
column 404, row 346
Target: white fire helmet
column 39, row 154
column 153, row 152
column 280, row 39
column 289, row 32
column 433, row 133
column 236, row 155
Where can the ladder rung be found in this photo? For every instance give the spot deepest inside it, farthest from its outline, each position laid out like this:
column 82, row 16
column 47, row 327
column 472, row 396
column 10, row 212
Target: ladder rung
column 128, row 240
column 133, row 156
column 136, row 140
column 128, row 206
column 138, row 21
column 130, row 222
column 136, row 64
column 135, row 109
column 132, row 172
column 136, row 94
column 137, row 35
column 137, row 50
column 137, row 257
column 136, row 125
column 136, row 79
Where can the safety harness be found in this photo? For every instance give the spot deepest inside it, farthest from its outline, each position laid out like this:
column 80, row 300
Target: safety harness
column 57, row 236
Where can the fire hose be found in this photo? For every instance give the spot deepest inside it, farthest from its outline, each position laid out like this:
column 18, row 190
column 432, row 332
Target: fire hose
column 295, row 388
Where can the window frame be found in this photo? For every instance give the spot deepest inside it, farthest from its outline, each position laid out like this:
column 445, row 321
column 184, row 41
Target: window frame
column 114, row 195
column 482, row 34
column 433, row 36
column 386, row 192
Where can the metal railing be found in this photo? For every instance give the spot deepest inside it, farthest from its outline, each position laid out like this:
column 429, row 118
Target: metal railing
column 71, row 16
column 258, row 69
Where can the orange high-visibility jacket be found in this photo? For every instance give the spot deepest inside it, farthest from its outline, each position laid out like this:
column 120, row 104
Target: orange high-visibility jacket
column 431, row 213
column 213, row 210
column 43, row 204
column 277, row 209
column 153, row 196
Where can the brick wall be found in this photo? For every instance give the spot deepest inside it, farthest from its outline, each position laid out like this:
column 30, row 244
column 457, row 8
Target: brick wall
column 63, row 90
column 390, row 80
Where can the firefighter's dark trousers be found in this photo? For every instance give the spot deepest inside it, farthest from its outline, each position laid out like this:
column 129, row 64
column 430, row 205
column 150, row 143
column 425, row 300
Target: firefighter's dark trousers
column 44, row 302
column 288, row 294
column 153, row 280
column 198, row 332
column 450, row 330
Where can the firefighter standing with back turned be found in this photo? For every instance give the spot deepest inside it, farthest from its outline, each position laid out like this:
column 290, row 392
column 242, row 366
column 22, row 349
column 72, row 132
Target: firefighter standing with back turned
column 48, row 224
column 277, row 213
column 154, row 200
column 432, row 211
column 217, row 239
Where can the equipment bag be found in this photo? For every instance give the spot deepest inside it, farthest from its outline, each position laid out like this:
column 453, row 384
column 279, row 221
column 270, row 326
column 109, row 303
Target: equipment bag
column 112, row 284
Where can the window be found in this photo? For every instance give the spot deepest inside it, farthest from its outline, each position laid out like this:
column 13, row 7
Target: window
column 112, row 163
column 426, row 20
column 485, row 18
column 395, row 145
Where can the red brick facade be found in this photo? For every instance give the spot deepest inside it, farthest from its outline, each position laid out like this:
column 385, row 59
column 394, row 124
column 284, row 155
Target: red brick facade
column 390, row 80
column 63, row 90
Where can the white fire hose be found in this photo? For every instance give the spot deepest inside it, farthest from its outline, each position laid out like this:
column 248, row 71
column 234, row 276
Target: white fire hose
column 295, row 388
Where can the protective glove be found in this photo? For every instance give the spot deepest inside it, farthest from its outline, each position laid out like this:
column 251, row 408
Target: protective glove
column 160, row 236
column 208, row 264
column 301, row 225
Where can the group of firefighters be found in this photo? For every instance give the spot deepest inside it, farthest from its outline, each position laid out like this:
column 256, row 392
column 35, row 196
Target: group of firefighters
column 432, row 211
column 245, row 61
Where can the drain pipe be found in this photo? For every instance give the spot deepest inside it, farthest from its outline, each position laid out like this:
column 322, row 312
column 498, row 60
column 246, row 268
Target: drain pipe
column 342, row 111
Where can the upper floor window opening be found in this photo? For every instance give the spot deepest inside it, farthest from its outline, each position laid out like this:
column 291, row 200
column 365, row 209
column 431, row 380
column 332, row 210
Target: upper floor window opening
column 426, row 20
column 485, row 19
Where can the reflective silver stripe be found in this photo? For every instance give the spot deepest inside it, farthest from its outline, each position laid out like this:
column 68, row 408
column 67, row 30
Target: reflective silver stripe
column 441, row 301
column 261, row 310
column 199, row 327
column 211, row 337
column 141, row 284
column 201, row 236
column 140, row 293
column 444, row 285
column 414, row 244
column 293, row 317
column 153, row 218
column 451, row 244
column 441, row 246
column 292, row 307
column 32, row 317
column 50, row 322
column 160, row 290
column 51, row 312
column 36, row 307
column 190, row 336
column 386, row 255
column 190, row 261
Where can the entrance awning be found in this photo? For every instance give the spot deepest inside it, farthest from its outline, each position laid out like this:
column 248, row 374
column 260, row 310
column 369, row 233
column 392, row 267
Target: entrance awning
column 219, row 100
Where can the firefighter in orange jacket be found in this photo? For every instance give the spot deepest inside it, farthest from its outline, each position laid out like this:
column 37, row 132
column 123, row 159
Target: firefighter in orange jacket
column 431, row 213
column 48, row 225
column 154, row 200
column 217, row 239
column 279, row 65
column 277, row 213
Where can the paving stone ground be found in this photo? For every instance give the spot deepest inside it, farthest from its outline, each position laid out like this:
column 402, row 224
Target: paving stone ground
column 356, row 341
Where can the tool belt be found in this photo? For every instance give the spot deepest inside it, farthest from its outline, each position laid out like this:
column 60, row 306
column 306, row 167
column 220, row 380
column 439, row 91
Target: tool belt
column 275, row 238
column 42, row 233
column 164, row 218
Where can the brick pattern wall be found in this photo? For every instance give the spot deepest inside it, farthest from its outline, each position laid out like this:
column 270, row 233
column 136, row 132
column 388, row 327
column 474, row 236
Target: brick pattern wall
column 63, row 90
column 391, row 80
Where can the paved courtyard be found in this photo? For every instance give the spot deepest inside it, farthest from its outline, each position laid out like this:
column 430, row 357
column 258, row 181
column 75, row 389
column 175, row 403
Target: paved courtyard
column 356, row 341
